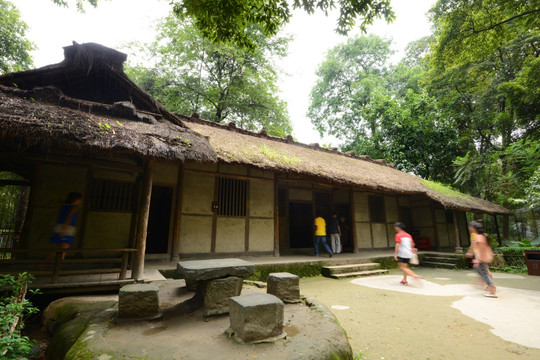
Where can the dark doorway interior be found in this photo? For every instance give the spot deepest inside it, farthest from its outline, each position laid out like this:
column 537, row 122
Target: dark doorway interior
column 343, row 211
column 300, row 225
column 157, row 240
column 405, row 217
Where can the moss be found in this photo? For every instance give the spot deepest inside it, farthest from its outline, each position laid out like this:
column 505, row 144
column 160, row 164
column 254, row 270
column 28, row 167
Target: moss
column 387, row 262
column 302, row 270
column 444, row 190
column 279, row 157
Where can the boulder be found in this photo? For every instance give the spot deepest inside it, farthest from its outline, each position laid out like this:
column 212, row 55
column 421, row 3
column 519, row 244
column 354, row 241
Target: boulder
column 256, row 318
column 285, row 286
column 139, row 301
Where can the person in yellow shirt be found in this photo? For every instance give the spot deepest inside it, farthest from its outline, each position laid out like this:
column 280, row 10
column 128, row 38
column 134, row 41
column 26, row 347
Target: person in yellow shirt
column 320, row 234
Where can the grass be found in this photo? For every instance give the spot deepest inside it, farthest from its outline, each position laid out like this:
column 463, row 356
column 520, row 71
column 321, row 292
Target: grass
column 443, row 189
column 302, row 270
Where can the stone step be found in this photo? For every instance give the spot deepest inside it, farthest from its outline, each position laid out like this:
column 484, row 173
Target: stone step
column 360, row 274
column 438, row 264
column 348, row 268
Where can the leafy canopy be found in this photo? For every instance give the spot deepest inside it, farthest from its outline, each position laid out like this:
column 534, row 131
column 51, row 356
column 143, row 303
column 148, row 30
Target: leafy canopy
column 220, row 82
column 14, row 47
column 380, row 110
column 228, row 21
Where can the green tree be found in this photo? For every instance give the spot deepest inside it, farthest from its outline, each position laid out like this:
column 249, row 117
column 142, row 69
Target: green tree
column 226, row 21
column 483, row 70
column 14, row 47
column 220, row 82
column 381, row 110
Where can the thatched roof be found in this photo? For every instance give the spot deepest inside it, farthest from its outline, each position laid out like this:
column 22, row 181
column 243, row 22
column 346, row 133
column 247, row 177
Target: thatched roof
column 284, row 155
column 44, row 120
column 87, row 104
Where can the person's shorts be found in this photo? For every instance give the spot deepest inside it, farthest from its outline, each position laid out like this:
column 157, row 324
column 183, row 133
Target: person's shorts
column 403, row 260
column 57, row 239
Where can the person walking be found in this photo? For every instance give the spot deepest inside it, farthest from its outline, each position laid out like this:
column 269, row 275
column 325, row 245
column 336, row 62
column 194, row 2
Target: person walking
column 320, row 234
column 404, row 251
column 64, row 230
column 483, row 255
column 335, row 234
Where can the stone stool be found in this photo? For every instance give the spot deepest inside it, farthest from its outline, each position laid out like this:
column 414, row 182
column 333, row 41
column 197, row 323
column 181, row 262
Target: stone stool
column 256, row 318
column 139, row 301
column 285, row 286
column 216, row 294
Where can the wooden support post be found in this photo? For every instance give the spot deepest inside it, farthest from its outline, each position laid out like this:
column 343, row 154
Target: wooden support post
column 496, row 223
column 506, row 226
column 175, row 251
column 459, row 249
column 142, row 223
column 123, row 271
column 56, row 269
column 276, row 217
column 353, row 221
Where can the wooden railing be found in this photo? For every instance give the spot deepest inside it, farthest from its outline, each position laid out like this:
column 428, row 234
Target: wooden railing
column 49, row 262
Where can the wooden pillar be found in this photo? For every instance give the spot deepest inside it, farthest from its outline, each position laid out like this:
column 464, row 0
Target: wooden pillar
column 506, row 226
column 175, row 251
column 353, row 221
column 142, row 223
column 456, row 230
column 276, row 217
column 496, row 224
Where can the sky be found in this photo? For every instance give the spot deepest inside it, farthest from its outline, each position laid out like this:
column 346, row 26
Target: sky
column 117, row 22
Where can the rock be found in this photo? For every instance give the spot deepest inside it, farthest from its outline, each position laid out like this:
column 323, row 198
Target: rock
column 216, row 294
column 198, row 270
column 285, row 286
column 139, row 301
column 256, row 318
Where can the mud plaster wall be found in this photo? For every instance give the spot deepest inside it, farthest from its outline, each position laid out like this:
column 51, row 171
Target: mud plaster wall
column 51, row 189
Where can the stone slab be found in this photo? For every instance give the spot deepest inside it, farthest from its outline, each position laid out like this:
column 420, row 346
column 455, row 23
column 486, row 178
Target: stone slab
column 138, row 301
column 216, row 294
column 256, row 317
column 199, row 270
column 285, row 286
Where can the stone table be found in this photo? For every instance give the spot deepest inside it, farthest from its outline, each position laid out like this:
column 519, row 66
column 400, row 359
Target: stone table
column 215, row 280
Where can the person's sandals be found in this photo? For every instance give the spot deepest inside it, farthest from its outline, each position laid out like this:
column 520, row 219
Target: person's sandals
column 490, row 295
column 404, row 282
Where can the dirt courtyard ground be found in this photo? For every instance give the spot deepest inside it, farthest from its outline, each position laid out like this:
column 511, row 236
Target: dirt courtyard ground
column 444, row 316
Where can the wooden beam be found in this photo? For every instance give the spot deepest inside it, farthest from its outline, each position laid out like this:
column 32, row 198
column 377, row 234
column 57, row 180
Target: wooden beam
column 353, row 221
column 142, row 224
column 276, row 217
column 495, row 222
column 178, row 214
column 506, row 226
column 456, row 230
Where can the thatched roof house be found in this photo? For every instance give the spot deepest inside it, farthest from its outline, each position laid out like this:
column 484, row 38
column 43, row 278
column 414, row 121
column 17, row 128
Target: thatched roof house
column 87, row 104
column 284, row 155
column 157, row 185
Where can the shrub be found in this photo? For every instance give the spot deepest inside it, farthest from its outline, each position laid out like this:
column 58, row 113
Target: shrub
column 13, row 308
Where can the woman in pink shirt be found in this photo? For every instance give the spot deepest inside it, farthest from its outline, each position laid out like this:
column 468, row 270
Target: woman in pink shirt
column 404, row 251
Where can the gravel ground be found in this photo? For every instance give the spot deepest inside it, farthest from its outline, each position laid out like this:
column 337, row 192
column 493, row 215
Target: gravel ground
column 444, row 316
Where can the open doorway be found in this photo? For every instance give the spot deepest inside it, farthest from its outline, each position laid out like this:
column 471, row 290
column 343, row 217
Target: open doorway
column 14, row 194
column 159, row 220
column 300, row 225
column 343, row 211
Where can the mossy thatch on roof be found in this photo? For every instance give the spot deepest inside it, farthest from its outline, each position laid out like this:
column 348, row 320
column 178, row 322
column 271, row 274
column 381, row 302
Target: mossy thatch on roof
column 45, row 120
column 234, row 145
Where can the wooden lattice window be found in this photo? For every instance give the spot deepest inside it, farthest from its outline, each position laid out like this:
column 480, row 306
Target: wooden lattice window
column 282, row 202
column 376, row 209
column 232, row 197
column 108, row 195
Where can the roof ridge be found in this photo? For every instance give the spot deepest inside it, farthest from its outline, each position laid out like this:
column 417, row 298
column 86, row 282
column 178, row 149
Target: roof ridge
column 288, row 139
